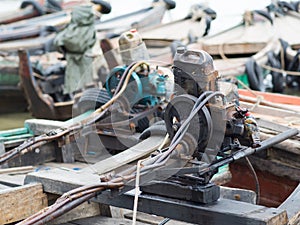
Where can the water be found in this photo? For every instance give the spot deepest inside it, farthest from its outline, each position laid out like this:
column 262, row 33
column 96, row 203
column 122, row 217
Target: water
column 13, row 120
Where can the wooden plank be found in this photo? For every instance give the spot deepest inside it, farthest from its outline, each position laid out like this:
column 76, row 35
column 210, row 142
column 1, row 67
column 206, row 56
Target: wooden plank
column 152, row 219
column 12, row 180
column 230, row 211
column 261, row 111
column 21, row 202
column 59, row 180
column 292, row 206
column 140, row 150
column 4, row 186
column 44, row 153
column 223, row 211
column 238, row 194
column 87, row 209
column 41, row 126
column 101, row 220
column 14, row 170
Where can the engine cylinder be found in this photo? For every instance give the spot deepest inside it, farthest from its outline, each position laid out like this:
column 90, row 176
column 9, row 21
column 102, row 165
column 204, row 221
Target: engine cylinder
column 194, row 71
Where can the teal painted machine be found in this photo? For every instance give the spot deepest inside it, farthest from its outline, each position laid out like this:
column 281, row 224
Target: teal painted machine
column 146, row 87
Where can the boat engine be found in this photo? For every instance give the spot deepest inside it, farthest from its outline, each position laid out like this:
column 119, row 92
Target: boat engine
column 219, row 124
column 147, row 86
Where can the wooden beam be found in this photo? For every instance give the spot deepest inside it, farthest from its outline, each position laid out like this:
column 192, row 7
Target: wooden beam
column 14, row 170
column 140, row 150
column 20, row 202
column 223, row 211
column 292, row 206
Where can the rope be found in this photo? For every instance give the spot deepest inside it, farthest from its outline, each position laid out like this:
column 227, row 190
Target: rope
column 112, row 100
column 137, row 181
column 137, row 191
column 294, row 73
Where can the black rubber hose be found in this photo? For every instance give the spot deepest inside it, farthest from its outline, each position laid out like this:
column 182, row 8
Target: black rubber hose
column 254, row 73
column 158, row 128
column 277, row 77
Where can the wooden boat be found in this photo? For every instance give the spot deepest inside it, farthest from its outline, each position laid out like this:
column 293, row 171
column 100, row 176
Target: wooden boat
column 43, row 44
column 252, row 50
column 275, row 113
column 30, row 9
column 143, row 18
column 11, row 92
column 254, row 32
column 41, row 105
column 277, row 171
column 39, row 40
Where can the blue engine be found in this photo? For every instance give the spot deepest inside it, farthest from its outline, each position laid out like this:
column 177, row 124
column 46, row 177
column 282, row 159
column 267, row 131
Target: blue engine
column 146, row 87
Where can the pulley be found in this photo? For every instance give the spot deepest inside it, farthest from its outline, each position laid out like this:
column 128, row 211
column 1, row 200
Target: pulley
column 134, row 91
column 200, row 127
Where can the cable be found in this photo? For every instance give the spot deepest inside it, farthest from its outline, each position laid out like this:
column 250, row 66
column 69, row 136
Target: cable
column 164, row 221
column 124, row 85
column 257, row 186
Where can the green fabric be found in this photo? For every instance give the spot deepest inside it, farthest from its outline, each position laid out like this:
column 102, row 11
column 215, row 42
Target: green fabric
column 243, row 78
column 76, row 40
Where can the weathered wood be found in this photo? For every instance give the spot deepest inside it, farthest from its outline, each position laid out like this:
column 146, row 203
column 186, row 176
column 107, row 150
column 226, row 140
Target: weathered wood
column 12, row 180
column 41, row 105
column 41, row 126
column 68, row 152
column 223, row 211
column 140, row 150
column 238, row 194
column 292, row 206
column 276, row 182
column 20, row 202
column 39, row 43
column 263, row 111
column 245, row 39
column 152, row 219
column 100, row 220
column 14, row 170
column 232, row 212
column 45, row 153
column 87, row 209
column 59, row 181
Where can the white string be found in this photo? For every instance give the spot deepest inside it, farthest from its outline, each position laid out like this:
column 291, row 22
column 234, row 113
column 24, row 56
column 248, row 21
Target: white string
column 137, row 191
column 137, row 181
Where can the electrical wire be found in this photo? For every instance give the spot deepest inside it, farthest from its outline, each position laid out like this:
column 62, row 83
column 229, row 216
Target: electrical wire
column 64, row 203
column 257, row 186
